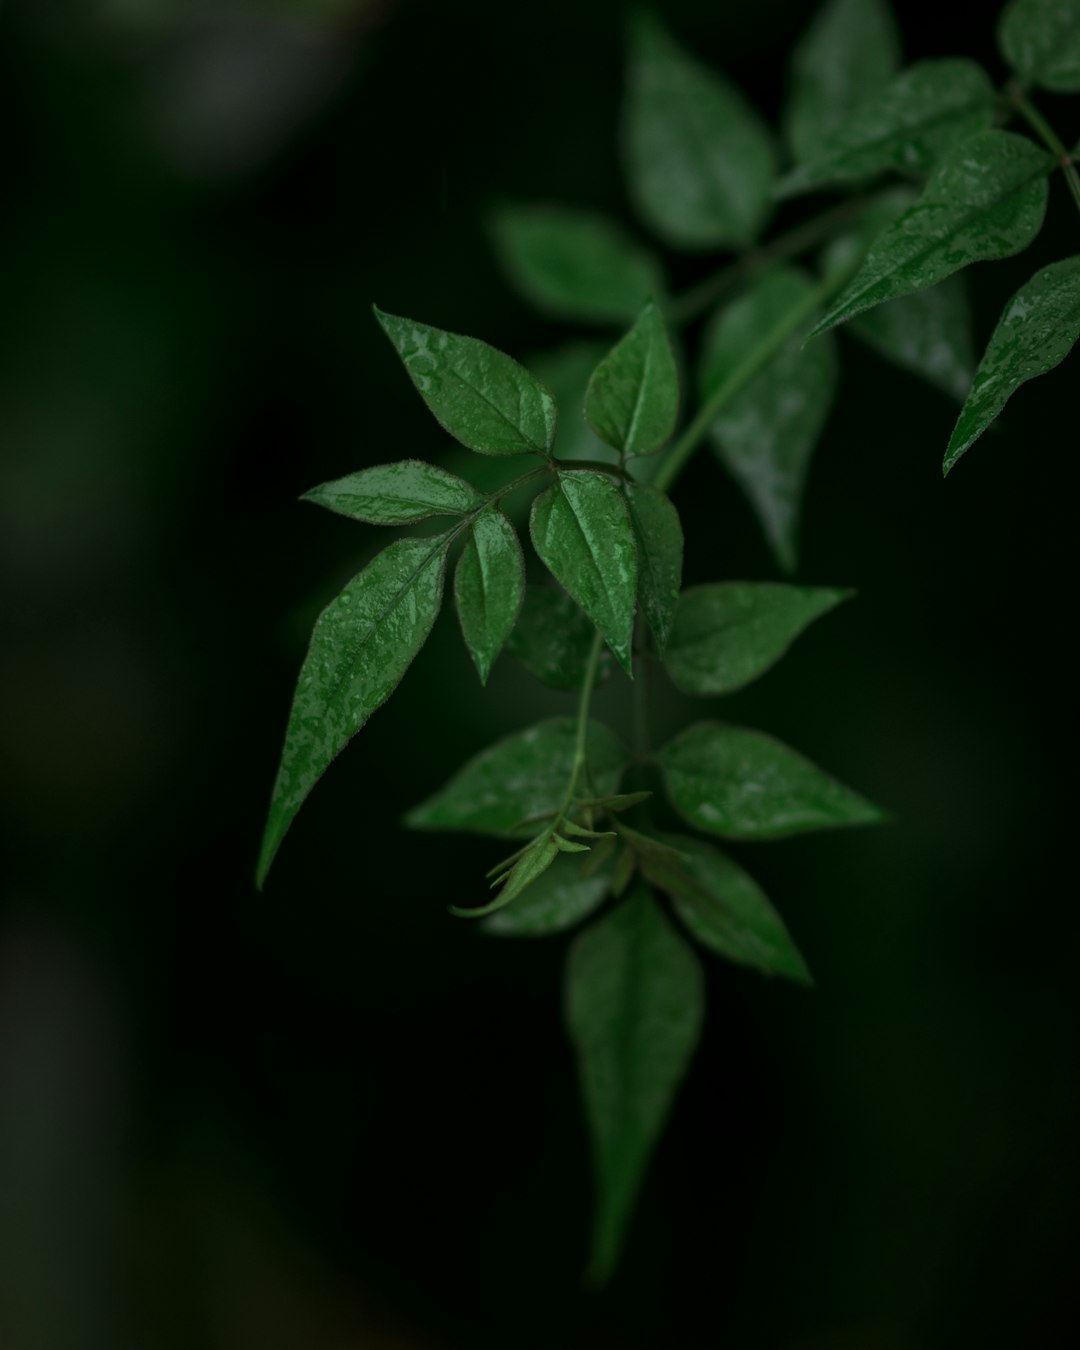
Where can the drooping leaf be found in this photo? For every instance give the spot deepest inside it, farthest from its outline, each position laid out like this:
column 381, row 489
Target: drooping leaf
column 765, row 435
column 566, row 371
column 1040, row 39
column 553, row 638
column 745, row 785
column 700, row 162
column 632, row 401
column 397, row 494
column 481, row 396
column 362, row 644
column 659, row 535
column 1036, row 331
column 529, row 868
column 927, row 333
column 912, row 121
column 725, row 908
column 844, row 60
column 728, row 634
column 635, row 1004
column 985, row 200
column 561, row 898
column 581, row 531
column 519, row 778
column 488, row 587
column 574, row 264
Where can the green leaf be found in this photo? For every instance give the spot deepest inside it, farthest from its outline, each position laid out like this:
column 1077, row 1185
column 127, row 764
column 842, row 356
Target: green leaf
column 660, row 556
column 922, row 112
column 927, row 333
column 843, row 61
column 488, row 587
column 553, row 639
column 699, row 160
column 566, row 371
column 632, row 401
column 518, row 778
column 1040, row 39
column 635, row 1004
column 743, row 784
column 397, row 494
column 525, row 872
column 362, row 644
column 1037, row 330
column 581, row 531
column 985, row 200
column 574, row 264
column 728, row 634
column 479, row 395
column 765, row 435
column 725, row 908
column 561, row 898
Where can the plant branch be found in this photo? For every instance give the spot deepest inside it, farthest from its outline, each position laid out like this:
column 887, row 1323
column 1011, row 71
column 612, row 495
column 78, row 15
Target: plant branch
column 1049, row 137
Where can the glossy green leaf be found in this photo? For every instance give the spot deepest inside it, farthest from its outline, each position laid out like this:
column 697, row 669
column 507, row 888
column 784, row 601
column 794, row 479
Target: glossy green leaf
column 745, row 785
column 725, row 908
column 986, row 200
column 1040, row 39
column 362, row 644
column 927, row 333
column 908, row 126
column 728, row 634
column 635, row 1004
column 566, row 371
column 660, row 556
column 488, row 587
column 632, row 401
column 482, row 397
column 396, row 494
column 575, row 264
column 519, row 778
column 699, row 160
column 1036, row 331
column 765, row 435
column 561, row 898
column 581, row 531
column 843, row 61
column 553, row 638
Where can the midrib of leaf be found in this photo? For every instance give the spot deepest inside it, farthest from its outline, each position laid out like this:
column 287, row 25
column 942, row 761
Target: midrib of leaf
column 519, row 432
column 639, row 400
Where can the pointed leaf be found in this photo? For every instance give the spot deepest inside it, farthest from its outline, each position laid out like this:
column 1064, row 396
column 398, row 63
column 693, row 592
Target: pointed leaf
column 566, row 371
column 558, row 900
column 396, row 494
column 488, row 587
column 927, row 333
column 985, row 200
column 727, row 635
column 1040, row 39
column 766, row 434
column 843, row 61
column 528, row 869
column 1037, row 330
column 574, row 264
column 363, row 643
column 659, row 535
column 482, row 397
column 632, row 401
column 912, row 121
column 519, row 777
column 700, row 162
column 581, row 531
column 553, row 638
column 635, row 1004
column 745, row 785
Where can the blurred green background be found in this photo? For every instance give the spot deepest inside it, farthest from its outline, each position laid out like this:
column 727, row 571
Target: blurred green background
column 330, row 1116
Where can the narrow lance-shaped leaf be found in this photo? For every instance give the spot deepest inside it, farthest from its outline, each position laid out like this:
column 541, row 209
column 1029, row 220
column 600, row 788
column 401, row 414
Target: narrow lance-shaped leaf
column 1037, row 330
column 659, row 535
column 488, row 587
column 396, row 494
column 745, row 785
column 699, row 161
column 986, row 200
column 927, row 333
column 908, row 126
column 728, row 634
column 1040, row 39
column 574, row 264
column 635, row 1004
column 561, row 898
column 553, row 639
column 844, row 59
column 581, row 531
column 632, row 400
column 481, row 396
column 362, row 645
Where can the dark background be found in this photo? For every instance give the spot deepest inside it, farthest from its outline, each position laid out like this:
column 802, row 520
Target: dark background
column 328, row 1115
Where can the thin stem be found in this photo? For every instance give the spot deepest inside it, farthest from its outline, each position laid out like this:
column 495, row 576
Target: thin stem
column 580, row 740
column 1049, row 137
